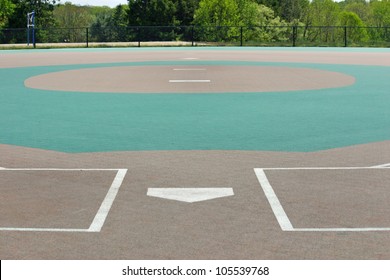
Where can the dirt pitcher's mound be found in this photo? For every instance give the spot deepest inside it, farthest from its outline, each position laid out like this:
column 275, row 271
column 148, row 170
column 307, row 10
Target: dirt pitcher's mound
column 189, row 79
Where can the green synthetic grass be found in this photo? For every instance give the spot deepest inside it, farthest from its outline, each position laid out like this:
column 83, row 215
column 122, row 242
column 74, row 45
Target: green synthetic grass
column 306, row 120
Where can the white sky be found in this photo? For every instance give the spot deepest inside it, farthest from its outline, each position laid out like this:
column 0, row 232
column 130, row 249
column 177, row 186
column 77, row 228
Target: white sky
column 110, row 3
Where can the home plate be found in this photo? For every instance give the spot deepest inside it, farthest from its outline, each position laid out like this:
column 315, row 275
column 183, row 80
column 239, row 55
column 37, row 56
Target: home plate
column 190, row 194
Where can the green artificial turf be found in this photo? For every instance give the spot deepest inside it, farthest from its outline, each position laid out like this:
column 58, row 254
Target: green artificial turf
column 307, row 120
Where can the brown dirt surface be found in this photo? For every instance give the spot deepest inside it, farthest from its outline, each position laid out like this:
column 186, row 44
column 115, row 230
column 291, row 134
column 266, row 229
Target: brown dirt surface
column 239, row 227
column 222, row 79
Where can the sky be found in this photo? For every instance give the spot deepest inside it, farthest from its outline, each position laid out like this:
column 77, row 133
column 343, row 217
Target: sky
column 110, row 3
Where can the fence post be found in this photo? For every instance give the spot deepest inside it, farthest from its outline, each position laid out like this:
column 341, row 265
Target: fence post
column 241, row 29
column 33, row 36
column 345, row 36
column 294, row 35
column 139, row 36
column 192, row 35
column 87, row 40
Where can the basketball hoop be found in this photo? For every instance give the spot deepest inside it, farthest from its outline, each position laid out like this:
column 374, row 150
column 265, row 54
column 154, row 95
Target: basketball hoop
column 31, row 24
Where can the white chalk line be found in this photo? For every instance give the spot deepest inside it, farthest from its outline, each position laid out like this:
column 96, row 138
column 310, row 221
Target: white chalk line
column 44, row 229
column 282, row 217
column 326, row 168
column 189, row 69
column 273, row 200
column 381, row 165
column 105, row 207
column 189, row 81
column 59, row 169
column 100, row 216
column 342, row 229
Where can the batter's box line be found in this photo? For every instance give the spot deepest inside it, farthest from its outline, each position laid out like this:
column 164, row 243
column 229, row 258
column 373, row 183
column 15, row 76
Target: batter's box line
column 280, row 214
column 101, row 214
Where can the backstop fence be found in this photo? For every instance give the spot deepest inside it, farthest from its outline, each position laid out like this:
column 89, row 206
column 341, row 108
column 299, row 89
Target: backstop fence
column 329, row 36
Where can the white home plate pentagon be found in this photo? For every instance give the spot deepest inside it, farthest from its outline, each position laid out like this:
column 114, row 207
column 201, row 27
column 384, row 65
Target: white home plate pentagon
column 190, row 194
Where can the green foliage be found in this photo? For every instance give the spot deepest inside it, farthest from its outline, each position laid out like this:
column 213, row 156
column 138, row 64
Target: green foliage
column 151, row 12
column 323, row 16
column 273, row 4
column 43, row 13
column 323, row 13
column 110, row 25
column 258, row 22
column 381, row 19
column 219, row 20
column 217, row 13
column 356, row 31
column 381, row 13
column 362, row 9
column 266, row 27
column 185, row 10
column 350, row 19
column 6, row 10
column 69, row 15
column 74, row 19
column 293, row 10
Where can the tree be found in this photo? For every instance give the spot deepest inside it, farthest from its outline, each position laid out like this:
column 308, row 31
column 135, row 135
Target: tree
column 360, row 8
column 118, row 23
column 218, row 20
column 321, row 21
column 381, row 13
column 69, row 15
column 43, row 19
column 323, row 13
column 6, row 10
column 101, row 20
column 381, row 19
column 151, row 12
column 356, row 28
column 273, row 4
column 238, row 18
column 185, row 10
column 217, row 13
column 75, row 19
column 119, row 17
column 43, row 13
column 293, row 10
column 270, row 28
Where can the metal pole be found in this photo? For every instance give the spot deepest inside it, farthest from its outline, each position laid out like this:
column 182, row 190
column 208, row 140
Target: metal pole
column 241, row 28
column 345, row 36
column 33, row 36
column 28, row 30
column 87, row 36
column 139, row 36
column 192, row 35
column 33, row 28
column 294, row 35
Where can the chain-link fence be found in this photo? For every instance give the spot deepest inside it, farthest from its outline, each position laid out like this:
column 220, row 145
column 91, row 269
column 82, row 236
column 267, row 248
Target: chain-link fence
column 338, row 36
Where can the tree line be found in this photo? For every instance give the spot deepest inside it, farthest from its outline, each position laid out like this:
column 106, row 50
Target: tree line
column 108, row 23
